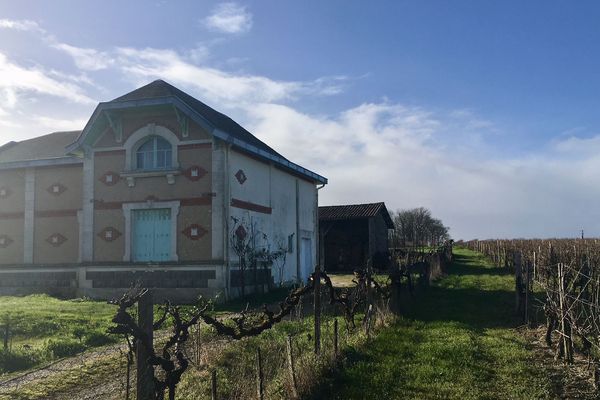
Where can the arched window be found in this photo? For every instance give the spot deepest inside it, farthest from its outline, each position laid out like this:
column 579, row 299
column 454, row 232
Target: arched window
column 154, row 153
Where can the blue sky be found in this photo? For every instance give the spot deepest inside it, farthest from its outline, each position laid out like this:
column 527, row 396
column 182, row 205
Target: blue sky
column 485, row 112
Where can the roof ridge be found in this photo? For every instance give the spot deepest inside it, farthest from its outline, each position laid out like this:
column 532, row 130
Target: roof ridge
column 160, row 88
column 356, row 204
column 7, row 145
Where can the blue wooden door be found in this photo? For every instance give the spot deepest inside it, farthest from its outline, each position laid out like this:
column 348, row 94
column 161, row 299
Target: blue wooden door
column 152, row 235
column 306, row 264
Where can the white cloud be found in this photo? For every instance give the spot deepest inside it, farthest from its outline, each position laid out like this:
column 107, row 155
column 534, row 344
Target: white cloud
column 56, row 124
column 384, row 151
column 229, row 18
column 86, row 59
column 8, row 97
column 214, row 84
column 15, row 78
column 21, row 25
column 392, row 153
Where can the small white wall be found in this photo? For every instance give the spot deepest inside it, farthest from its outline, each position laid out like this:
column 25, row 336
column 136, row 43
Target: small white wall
column 272, row 187
column 256, row 188
column 308, row 209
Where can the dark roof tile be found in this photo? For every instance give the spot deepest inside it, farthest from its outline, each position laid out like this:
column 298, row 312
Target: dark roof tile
column 354, row 211
column 39, row 148
column 160, row 88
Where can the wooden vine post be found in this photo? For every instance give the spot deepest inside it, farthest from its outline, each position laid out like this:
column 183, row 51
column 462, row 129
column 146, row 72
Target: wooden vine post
column 395, row 291
column 213, row 385
column 518, row 280
column 565, row 326
column 145, row 372
column 527, row 283
column 291, row 368
column 6, row 331
column 260, row 384
column 317, row 304
column 335, row 338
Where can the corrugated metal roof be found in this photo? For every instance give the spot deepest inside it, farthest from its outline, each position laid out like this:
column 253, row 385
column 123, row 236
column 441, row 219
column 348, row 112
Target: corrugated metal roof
column 40, row 148
column 355, row 211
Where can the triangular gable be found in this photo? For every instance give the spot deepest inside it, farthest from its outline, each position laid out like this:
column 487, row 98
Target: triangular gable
column 160, row 93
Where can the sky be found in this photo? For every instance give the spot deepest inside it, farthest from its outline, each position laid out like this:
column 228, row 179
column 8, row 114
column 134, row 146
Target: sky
column 485, row 112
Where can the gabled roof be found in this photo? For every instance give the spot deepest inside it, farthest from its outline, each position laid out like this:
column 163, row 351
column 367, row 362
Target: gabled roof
column 355, row 211
column 161, row 93
column 42, row 148
column 160, row 88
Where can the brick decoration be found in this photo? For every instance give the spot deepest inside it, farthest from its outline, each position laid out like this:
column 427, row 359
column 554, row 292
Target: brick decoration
column 194, row 232
column 151, row 279
column 57, row 189
column 12, row 215
column 110, row 178
column 246, row 205
column 241, row 177
column 205, row 200
column 109, row 234
column 56, row 239
column 195, row 173
column 260, row 277
column 38, row 279
column 241, row 232
column 5, row 192
column 5, row 241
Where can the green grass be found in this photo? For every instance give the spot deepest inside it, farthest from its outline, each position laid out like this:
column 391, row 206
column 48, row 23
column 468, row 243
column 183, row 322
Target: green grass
column 43, row 328
column 457, row 342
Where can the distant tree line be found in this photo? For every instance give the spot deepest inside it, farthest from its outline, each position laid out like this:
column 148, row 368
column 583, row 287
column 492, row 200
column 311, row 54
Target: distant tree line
column 417, row 227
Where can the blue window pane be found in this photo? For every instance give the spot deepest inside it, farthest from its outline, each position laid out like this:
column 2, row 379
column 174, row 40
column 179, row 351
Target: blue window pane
column 162, row 144
column 155, row 153
column 140, row 161
column 148, row 146
column 160, row 159
column 149, row 160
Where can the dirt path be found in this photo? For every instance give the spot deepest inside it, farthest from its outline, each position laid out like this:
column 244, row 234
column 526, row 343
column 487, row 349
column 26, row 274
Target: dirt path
column 93, row 374
column 459, row 341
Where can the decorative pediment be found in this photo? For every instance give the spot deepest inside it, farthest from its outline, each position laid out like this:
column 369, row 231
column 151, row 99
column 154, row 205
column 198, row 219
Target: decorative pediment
column 161, row 96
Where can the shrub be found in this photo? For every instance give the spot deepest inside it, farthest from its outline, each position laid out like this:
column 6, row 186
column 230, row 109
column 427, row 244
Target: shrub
column 95, row 339
column 64, row 347
column 18, row 360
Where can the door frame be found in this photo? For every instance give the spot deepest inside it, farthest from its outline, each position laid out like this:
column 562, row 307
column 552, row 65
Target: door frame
column 128, row 209
column 304, row 234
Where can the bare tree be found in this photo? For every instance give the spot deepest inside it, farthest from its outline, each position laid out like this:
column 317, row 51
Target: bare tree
column 418, row 227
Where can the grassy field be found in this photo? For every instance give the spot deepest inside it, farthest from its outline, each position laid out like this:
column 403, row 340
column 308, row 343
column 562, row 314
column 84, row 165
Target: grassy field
column 458, row 342
column 43, row 328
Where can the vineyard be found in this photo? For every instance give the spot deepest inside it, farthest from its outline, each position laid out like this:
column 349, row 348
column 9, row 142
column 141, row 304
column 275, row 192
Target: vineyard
column 557, row 280
column 280, row 350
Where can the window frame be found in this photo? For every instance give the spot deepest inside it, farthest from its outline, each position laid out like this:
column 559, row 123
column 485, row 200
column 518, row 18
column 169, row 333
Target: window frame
column 128, row 209
column 153, row 155
column 139, row 137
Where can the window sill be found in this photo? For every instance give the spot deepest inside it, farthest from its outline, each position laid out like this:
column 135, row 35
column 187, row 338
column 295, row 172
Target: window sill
column 130, row 176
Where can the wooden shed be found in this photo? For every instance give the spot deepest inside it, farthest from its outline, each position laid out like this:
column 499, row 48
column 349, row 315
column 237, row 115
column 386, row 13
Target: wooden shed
column 352, row 234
